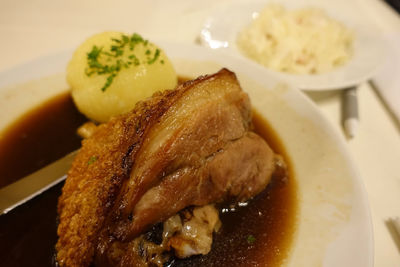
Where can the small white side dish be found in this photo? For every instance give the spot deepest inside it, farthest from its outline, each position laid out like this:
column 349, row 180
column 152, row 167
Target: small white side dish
column 221, row 28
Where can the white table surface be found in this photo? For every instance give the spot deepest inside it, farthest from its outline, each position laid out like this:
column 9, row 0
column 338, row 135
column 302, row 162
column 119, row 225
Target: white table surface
column 31, row 29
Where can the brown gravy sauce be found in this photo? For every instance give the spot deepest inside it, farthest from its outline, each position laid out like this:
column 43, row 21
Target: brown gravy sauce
column 38, row 138
column 257, row 235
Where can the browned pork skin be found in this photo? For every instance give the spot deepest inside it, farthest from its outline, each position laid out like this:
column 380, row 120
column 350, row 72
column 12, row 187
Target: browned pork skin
column 186, row 147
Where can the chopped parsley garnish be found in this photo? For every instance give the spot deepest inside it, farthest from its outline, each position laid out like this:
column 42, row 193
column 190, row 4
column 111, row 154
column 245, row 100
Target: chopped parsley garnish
column 111, row 61
column 155, row 57
column 92, row 160
column 251, row 239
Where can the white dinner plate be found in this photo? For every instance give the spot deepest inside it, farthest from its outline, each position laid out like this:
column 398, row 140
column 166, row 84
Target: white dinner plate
column 333, row 220
column 221, row 28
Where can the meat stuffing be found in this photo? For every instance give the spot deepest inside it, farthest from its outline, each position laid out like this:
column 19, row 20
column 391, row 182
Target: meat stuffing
column 181, row 148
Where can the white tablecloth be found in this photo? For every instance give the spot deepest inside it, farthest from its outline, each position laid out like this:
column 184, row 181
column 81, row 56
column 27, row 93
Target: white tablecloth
column 31, row 29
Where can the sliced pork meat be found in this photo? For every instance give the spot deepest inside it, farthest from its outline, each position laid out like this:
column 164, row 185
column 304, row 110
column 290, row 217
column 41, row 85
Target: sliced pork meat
column 191, row 146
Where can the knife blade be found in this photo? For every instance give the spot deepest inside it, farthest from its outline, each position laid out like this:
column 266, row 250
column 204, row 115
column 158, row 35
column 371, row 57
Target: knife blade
column 21, row 191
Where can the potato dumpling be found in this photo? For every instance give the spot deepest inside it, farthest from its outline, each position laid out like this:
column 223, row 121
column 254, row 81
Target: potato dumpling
column 111, row 71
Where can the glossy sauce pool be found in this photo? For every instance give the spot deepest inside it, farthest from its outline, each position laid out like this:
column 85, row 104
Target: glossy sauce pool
column 257, row 235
